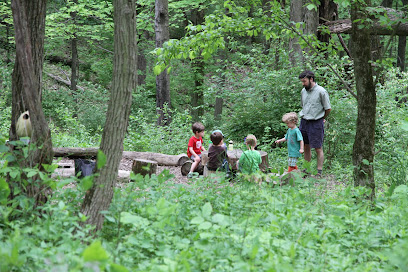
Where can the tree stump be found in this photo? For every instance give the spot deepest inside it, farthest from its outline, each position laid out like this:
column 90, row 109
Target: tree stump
column 144, row 167
column 185, row 168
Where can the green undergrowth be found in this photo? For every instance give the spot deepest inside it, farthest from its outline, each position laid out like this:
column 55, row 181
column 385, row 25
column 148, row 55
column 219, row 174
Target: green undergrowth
column 156, row 225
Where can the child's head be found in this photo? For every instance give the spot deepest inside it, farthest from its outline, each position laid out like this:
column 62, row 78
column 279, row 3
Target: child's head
column 197, row 127
column 250, row 140
column 216, row 137
column 290, row 117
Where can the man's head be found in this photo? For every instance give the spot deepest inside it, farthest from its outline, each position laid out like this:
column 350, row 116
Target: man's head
column 308, row 79
column 197, row 127
column 251, row 140
column 216, row 137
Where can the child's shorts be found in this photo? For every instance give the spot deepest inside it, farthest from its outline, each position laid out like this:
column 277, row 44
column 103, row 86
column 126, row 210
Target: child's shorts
column 192, row 157
column 292, row 161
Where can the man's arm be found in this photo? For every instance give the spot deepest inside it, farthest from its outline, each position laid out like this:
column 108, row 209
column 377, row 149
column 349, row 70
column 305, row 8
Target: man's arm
column 326, row 113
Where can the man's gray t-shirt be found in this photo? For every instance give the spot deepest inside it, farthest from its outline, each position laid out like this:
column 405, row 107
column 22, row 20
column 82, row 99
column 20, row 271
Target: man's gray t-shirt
column 314, row 102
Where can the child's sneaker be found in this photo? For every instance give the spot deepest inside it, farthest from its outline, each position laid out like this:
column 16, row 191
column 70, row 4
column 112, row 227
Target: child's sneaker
column 190, row 175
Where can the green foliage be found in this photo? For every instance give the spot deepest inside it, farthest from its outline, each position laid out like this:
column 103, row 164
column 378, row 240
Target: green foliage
column 155, row 225
column 145, row 135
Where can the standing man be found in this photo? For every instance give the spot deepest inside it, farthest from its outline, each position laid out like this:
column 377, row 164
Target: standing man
column 315, row 108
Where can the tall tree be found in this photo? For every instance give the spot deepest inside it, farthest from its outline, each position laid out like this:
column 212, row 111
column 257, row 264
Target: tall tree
column 163, row 79
column 197, row 95
column 402, row 43
column 363, row 149
column 295, row 15
column 29, row 25
column 99, row 197
column 74, row 61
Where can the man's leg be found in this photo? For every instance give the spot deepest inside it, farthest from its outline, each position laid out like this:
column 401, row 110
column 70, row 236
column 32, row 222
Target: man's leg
column 307, row 154
column 320, row 158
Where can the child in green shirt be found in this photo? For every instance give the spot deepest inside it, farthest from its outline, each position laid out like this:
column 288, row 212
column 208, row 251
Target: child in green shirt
column 294, row 138
column 251, row 159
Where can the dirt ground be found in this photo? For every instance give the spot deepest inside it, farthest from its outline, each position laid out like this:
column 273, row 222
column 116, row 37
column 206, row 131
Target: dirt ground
column 328, row 184
column 126, row 165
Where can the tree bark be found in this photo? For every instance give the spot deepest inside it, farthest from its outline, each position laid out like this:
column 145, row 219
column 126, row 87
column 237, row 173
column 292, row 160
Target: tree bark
column 29, row 25
column 197, row 96
column 163, row 79
column 328, row 11
column 295, row 51
column 74, row 63
column 402, row 44
column 99, row 197
column 363, row 149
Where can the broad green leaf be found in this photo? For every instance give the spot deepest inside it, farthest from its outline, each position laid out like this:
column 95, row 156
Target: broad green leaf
column 206, row 210
column 157, row 69
column 311, row 6
column 4, row 191
column 137, row 221
column 100, row 159
column 220, row 219
column 197, row 220
column 365, row 162
column 404, row 125
column 86, row 183
column 204, row 226
column 118, row 268
column 95, row 252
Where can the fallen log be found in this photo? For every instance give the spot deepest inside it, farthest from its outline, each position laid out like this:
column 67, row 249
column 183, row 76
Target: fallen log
column 62, row 81
column 398, row 27
column 91, row 152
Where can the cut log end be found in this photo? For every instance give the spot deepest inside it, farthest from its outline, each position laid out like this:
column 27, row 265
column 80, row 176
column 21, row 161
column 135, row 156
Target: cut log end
column 144, row 167
column 185, row 168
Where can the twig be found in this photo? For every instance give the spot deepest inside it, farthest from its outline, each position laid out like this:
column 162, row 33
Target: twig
column 344, row 45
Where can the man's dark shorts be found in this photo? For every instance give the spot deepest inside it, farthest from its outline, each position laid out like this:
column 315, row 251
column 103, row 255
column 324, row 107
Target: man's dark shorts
column 312, row 132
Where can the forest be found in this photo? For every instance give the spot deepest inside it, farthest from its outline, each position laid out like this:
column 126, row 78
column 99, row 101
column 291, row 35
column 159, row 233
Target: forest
column 122, row 78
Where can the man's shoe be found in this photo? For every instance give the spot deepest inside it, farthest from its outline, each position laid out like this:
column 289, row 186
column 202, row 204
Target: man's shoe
column 318, row 176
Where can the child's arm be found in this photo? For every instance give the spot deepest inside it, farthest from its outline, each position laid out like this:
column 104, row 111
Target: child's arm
column 280, row 140
column 302, row 147
column 192, row 151
column 202, row 148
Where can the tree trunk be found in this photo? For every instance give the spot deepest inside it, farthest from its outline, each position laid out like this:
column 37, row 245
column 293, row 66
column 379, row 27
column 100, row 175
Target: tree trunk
column 402, row 44
column 29, row 25
column 295, row 51
column 162, row 80
column 74, row 63
column 363, row 149
column 328, row 11
column 197, row 96
column 219, row 101
column 99, row 197
column 142, row 66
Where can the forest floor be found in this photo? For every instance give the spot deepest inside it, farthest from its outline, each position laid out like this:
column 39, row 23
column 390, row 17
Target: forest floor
column 326, row 185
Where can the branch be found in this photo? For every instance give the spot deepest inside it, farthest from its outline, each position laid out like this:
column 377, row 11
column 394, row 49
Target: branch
column 317, row 52
column 62, row 81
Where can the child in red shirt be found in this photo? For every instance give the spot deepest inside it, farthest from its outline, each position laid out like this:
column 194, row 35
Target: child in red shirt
column 195, row 146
